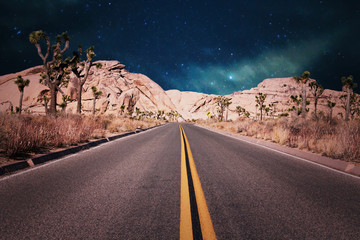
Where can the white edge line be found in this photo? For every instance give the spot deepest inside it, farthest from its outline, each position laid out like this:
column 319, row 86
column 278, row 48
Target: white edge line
column 48, row 163
column 284, row 153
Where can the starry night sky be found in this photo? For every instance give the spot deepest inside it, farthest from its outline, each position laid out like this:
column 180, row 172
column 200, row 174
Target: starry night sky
column 218, row 46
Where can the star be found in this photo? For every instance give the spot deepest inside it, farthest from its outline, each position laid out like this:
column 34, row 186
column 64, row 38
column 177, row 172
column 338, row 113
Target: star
column 191, row 39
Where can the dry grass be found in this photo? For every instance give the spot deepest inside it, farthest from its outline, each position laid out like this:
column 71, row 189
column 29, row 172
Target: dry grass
column 338, row 139
column 32, row 134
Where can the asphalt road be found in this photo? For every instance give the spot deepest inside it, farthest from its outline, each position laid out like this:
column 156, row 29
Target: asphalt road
column 130, row 189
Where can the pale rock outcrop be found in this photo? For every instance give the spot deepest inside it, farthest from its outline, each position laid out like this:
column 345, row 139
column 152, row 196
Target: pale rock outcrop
column 118, row 86
column 278, row 90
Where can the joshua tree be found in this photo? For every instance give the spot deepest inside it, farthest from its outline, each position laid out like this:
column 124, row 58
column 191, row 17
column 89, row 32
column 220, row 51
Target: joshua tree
column 21, row 83
column 297, row 100
column 122, row 107
column 270, row 110
column 46, row 101
column 242, row 111
column 348, row 85
column 303, row 79
column 160, row 114
column 317, row 90
column 96, row 94
column 354, row 104
column 223, row 103
column 81, row 68
column 331, row 105
column 55, row 71
column 63, row 105
column 137, row 110
column 260, row 100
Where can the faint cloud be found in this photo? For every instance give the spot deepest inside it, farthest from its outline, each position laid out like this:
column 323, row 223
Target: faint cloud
column 247, row 73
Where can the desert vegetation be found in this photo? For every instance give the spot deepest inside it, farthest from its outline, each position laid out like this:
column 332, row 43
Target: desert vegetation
column 318, row 132
column 21, row 83
column 55, row 71
column 28, row 134
column 338, row 139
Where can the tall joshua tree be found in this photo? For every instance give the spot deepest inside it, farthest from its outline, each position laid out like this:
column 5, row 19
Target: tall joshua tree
column 81, row 68
column 223, row 103
column 303, row 79
column 96, row 94
column 317, row 90
column 348, row 85
column 331, row 105
column 260, row 100
column 21, row 83
column 55, row 70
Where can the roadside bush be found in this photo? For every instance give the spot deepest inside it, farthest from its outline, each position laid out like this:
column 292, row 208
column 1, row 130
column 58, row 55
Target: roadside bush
column 31, row 133
column 337, row 139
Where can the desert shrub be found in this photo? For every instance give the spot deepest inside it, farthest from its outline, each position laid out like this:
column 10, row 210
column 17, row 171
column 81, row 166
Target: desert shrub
column 31, row 133
column 28, row 133
column 336, row 139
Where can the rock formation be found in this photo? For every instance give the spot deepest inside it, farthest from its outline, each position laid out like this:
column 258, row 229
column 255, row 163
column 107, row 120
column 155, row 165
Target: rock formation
column 120, row 87
column 278, row 90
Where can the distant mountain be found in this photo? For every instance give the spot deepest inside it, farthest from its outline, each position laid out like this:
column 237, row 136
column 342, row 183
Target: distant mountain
column 120, row 87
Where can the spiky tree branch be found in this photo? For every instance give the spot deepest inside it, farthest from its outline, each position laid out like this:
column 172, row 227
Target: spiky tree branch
column 260, row 100
column 96, row 95
column 317, row 90
column 21, row 83
column 348, row 84
column 81, row 68
column 55, row 71
column 223, row 104
column 303, row 79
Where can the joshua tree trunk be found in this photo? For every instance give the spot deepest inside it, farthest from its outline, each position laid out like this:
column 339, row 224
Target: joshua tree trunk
column 20, row 103
column 303, row 102
column 78, row 98
column 53, row 95
column 347, row 110
column 46, row 108
column 256, row 109
column 94, row 103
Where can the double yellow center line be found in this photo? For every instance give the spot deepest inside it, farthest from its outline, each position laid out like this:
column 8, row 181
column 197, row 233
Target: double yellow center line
column 195, row 221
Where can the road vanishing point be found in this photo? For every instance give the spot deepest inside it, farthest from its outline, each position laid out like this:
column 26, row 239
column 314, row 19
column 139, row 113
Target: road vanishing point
column 179, row 182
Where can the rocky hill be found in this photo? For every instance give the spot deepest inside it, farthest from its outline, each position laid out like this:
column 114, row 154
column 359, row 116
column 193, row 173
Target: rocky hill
column 118, row 86
column 278, row 90
column 121, row 87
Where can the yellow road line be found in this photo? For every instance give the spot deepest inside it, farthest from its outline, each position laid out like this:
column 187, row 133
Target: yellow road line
column 207, row 229
column 185, row 211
